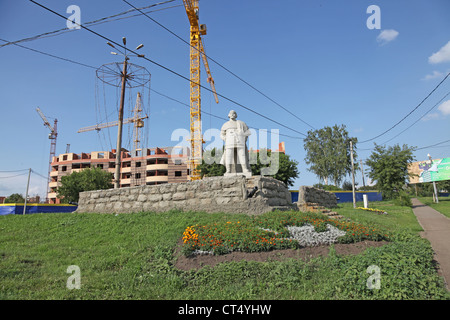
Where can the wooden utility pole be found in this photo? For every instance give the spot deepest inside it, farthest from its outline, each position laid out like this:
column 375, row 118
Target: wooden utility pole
column 26, row 193
column 119, row 131
column 353, row 174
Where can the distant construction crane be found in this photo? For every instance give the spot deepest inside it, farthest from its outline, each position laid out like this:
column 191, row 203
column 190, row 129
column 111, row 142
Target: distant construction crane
column 136, row 119
column 197, row 50
column 52, row 136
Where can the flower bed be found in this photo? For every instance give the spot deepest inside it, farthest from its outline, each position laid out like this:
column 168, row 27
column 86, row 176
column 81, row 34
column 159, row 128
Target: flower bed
column 373, row 210
column 269, row 232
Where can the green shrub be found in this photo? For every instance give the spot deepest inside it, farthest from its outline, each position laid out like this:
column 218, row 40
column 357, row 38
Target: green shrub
column 403, row 199
column 407, row 271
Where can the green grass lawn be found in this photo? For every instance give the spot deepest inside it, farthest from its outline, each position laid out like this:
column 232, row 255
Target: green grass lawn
column 130, row 256
column 443, row 206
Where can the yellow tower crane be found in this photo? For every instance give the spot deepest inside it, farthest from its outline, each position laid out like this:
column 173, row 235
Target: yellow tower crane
column 196, row 51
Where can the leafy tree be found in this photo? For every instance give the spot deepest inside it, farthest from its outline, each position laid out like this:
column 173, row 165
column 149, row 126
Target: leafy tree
column 85, row 180
column 15, row 198
column 211, row 167
column 326, row 187
column 328, row 153
column 287, row 168
column 389, row 168
column 444, row 185
column 347, row 186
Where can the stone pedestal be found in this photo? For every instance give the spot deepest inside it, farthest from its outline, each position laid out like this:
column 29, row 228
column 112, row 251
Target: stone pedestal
column 236, row 194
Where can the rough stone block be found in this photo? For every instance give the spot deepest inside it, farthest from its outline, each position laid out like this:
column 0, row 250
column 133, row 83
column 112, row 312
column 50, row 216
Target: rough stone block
column 167, row 196
column 179, row 196
column 154, row 197
column 142, row 198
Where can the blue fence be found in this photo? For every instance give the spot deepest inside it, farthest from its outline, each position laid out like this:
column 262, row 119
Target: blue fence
column 347, row 196
column 17, row 208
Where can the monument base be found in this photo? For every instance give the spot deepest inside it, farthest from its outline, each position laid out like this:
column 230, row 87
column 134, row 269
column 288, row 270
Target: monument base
column 235, row 174
column 236, row 194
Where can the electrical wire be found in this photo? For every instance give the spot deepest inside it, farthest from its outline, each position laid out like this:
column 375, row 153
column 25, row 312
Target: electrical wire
column 448, row 93
column 434, row 106
column 17, row 175
column 215, row 116
column 445, row 78
column 38, row 174
column 23, row 174
column 169, row 70
column 161, row 94
column 219, row 64
column 94, row 22
column 51, row 55
column 433, row 145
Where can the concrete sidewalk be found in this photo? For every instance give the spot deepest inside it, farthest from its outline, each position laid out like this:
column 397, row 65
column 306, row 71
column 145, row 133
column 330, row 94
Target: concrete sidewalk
column 436, row 228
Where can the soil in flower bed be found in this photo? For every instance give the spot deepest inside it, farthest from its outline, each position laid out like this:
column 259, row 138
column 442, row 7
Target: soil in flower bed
column 200, row 260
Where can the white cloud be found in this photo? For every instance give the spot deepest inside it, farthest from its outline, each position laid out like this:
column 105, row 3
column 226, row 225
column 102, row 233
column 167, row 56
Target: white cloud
column 434, row 75
column 431, row 116
column 386, row 36
column 445, row 107
column 443, row 55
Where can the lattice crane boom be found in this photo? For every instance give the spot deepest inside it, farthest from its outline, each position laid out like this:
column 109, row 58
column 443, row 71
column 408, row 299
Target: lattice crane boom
column 100, row 126
column 208, row 72
column 197, row 52
column 46, row 123
column 52, row 136
column 136, row 119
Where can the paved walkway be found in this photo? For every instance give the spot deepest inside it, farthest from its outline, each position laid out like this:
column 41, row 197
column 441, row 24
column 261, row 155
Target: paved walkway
column 436, row 228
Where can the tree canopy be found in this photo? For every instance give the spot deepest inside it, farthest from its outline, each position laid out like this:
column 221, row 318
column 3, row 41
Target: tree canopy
column 388, row 166
column 15, row 198
column 328, row 153
column 85, row 180
column 280, row 167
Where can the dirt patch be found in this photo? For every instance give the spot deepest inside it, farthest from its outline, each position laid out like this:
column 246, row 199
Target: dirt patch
column 198, row 261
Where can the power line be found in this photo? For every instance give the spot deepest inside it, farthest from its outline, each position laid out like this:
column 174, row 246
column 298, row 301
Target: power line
column 17, row 175
column 13, row 170
column 213, row 115
column 51, row 55
column 22, row 174
column 37, row 173
column 434, row 106
column 92, row 67
column 169, row 70
column 445, row 78
column 433, row 145
column 421, row 148
column 94, row 22
column 219, row 64
column 448, row 93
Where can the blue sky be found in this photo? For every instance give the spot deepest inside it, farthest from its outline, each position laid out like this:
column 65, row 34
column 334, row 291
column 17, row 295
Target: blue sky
column 318, row 59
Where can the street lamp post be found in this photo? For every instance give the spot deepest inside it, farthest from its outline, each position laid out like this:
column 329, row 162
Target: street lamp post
column 124, row 76
column 436, row 199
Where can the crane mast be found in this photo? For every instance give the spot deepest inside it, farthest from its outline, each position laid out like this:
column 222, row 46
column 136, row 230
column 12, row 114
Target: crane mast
column 197, row 53
column 52, row 136
column 136, row 119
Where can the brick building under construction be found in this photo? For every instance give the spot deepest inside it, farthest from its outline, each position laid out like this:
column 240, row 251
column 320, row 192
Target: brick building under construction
column 151, row 166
